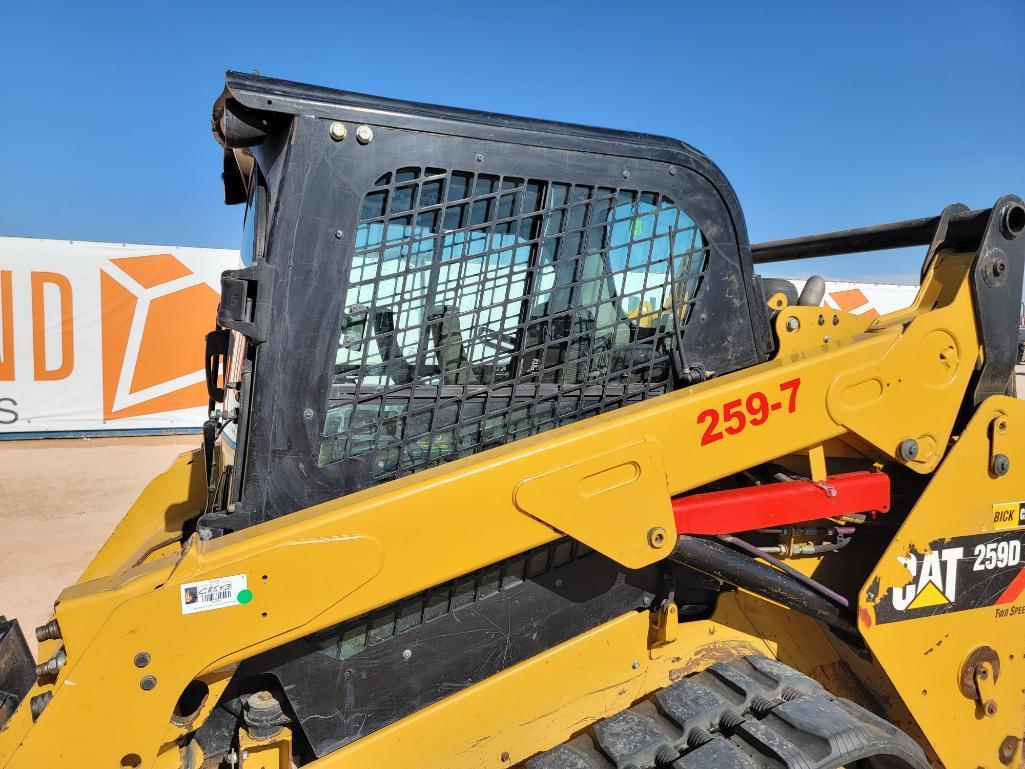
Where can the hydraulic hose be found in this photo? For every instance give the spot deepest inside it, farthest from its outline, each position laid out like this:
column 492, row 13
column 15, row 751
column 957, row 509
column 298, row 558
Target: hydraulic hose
column 728, row 565
column 783, row 566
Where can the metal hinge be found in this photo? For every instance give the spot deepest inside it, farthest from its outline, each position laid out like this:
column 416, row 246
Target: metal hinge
column 664, row 627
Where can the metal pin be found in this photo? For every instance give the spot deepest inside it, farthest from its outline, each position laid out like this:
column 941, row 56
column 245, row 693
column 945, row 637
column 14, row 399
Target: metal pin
column 49, row 632
column 53, row 665
column 38, row 704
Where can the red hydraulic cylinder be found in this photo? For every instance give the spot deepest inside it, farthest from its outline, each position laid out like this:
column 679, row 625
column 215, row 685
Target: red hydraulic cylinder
column 780, row 504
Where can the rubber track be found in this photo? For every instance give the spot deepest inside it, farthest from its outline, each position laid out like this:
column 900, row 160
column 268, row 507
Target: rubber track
column 748, row 713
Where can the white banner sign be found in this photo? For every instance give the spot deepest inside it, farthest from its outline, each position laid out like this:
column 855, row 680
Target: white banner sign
column 104, row 336
column 861, row 298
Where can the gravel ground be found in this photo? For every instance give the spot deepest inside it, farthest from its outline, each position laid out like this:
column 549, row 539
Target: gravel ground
column 59, row 500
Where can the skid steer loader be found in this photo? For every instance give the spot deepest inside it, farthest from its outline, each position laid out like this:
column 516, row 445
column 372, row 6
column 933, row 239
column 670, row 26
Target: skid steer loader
column 513, row 460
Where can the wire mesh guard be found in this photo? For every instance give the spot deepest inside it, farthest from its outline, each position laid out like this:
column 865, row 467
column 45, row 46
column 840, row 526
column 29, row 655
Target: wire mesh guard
column 481, row 309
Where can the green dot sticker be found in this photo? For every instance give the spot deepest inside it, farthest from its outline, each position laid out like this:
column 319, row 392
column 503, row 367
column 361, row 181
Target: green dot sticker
column 245, row 596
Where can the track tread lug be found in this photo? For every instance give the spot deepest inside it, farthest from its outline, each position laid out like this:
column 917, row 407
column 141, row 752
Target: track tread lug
column 629, row 738
column 770, row 742
column 560, row 757
column 748, row 713
column 823, row 720
column 736, row 679
column 785, row 676
column 720, row 753
column 691, row 705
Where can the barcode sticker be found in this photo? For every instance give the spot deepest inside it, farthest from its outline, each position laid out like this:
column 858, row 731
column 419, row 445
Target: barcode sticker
column 215, row 594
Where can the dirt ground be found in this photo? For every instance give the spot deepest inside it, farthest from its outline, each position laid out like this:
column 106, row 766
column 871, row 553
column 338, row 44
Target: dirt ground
column 59, row 500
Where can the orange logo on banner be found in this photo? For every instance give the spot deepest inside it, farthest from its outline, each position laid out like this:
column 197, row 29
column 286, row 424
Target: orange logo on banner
column 155, row 315
column 853, row 299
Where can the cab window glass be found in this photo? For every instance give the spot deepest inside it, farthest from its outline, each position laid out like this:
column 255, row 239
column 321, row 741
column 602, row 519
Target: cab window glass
column 481, row 308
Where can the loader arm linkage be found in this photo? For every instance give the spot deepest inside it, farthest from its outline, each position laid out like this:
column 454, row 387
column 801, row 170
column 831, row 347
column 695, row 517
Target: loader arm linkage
column 629, row 530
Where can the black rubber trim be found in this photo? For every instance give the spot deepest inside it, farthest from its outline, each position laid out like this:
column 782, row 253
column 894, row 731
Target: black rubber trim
column 17, row 668
column 748, row 713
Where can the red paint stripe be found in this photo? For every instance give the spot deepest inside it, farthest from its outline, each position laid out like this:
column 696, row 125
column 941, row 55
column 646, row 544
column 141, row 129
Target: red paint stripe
column 1010, row 595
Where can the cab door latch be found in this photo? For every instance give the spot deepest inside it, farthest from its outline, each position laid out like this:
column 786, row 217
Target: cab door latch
column 246, row 302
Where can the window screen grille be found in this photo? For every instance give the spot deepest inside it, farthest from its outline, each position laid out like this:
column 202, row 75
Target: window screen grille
column 481, row 309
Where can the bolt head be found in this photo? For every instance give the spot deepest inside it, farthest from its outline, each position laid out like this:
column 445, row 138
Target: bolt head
column 142, row 659
column 908, row 449
column 635, row 664
column 148, row 683
column 338, row 131
column 1008, row 748
column 657, row 537
column 991, row 708
column 1001, row 464
column 406, row 654
column 793, row 324
column 364, row 134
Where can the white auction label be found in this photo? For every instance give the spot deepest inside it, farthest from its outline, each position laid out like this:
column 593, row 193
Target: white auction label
column 215, row 594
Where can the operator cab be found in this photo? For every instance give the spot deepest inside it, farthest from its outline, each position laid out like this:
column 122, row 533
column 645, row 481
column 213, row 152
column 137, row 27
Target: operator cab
column 423, row 283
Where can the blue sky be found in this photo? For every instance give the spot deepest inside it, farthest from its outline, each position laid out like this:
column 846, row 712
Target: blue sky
column 823, row 115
